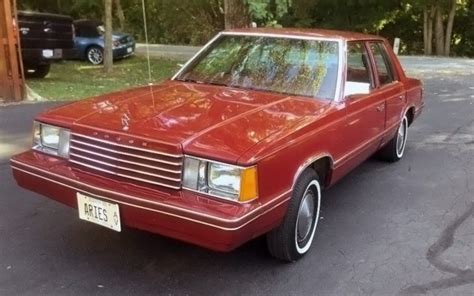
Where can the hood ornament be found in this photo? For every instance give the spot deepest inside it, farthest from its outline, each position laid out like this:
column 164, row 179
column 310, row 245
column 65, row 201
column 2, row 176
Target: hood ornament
column 125, row 122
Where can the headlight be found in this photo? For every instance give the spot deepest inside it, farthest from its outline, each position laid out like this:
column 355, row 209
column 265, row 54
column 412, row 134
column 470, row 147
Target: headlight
column 220, row 180
column 51, row 139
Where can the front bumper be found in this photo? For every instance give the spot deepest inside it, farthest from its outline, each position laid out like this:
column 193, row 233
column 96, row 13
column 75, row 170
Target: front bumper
column 35, row 55
column 123, row 51
column 182, row 215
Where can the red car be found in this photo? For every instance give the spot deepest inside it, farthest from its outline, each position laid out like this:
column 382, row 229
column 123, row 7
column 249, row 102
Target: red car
column 239, row 143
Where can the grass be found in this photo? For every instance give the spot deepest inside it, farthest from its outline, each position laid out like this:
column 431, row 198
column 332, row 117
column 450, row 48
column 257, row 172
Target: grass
column 72, row 80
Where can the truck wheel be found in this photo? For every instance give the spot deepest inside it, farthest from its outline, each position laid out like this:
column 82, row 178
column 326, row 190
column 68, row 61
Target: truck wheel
column 38, row 71
column 95, row 55
column 393, row 151
column 293, row 238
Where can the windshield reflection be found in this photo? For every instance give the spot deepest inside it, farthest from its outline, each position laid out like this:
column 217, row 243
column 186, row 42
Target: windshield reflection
column 283, row 65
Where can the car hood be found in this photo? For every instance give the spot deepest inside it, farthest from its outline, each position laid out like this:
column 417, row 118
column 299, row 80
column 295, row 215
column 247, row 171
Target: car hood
column 202, row 120
column 118, row 35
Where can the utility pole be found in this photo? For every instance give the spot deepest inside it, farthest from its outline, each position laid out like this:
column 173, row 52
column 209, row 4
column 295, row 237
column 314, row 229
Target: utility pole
column 12, row 87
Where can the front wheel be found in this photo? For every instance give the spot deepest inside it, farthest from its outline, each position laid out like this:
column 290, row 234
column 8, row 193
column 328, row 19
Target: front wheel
column 95, row 55
column 395, row 149
column 293, row 238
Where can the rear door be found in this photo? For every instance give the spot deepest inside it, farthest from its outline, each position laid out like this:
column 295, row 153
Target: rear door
column 388, row 86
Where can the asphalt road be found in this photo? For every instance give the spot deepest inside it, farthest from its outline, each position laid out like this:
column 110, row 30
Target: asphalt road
column 386, row 229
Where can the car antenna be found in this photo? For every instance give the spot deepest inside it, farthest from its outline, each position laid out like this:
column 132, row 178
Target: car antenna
column 150, row 83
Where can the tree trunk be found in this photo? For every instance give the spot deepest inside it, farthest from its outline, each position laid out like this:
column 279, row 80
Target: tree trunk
column 108, row 55
column 449, row 28
column 431, row 15
column 120, row 15
column 425, row 29
column 236, row 14
column 439, row 32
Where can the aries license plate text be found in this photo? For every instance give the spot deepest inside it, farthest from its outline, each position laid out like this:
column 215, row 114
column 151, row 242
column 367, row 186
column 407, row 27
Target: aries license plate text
column 99, row 212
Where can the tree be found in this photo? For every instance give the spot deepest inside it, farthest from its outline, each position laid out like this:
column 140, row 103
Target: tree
column 108, row 54
column 236, row 14
column 120, row 14
column 449, row 28
column 440, row 14
column 429, row 12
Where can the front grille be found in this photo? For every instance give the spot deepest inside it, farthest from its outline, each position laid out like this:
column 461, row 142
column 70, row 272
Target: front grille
column 132, row 163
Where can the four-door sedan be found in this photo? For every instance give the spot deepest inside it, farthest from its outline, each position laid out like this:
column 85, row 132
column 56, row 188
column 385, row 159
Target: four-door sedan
column 89, row 42
column 239, row 143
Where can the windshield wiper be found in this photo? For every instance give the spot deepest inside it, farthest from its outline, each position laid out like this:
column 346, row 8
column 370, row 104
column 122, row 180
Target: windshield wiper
column 200, row 82
column 190, row 80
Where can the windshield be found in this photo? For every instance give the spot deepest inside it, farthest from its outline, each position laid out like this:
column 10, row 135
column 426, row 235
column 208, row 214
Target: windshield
column 284, row 65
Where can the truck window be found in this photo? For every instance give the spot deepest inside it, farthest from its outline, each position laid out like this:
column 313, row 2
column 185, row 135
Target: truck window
column 382, row 62
column 359, row 77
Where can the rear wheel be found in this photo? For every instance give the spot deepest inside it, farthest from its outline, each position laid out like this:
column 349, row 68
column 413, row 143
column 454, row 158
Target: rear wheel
column 293, row 238
column 95, row 55
column 395, row 149
column 37, row 71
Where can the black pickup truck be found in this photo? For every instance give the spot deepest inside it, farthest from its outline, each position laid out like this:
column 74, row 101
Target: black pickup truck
column 45, row 38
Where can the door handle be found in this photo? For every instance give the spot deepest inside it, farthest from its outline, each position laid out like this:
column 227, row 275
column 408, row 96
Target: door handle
column 380, row 108
column 401, row 97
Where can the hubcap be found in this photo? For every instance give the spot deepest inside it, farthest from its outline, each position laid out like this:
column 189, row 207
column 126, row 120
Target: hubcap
column 95, row 56
column 305, row 217
column 401, row 137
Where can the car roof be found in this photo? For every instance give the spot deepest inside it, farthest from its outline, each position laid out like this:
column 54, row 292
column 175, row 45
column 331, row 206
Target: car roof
column 29, row 13
column 306, row 32
column 88, row 23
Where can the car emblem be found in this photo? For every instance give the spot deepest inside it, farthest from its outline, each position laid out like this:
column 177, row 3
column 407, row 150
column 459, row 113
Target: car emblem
column 125, row 121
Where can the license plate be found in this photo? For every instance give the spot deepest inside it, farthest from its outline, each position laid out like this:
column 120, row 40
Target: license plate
column 58, row 53
column 99, row 212
column 129, row 49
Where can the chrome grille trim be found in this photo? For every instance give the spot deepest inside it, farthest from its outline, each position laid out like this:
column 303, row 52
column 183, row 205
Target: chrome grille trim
column 126, row 161
column 128, row 147
column 128, row 154
column 124, row 175
column 125, row 168
column 132, row 163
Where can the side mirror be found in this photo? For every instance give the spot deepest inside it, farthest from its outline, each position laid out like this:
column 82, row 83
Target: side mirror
column 354, row 89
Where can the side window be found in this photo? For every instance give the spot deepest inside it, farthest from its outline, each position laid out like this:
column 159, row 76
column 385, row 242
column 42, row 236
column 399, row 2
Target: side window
column 359, row 76
column 382, row 62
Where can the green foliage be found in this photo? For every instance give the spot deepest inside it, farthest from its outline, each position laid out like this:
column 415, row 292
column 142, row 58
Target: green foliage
column 268, row 12
column 196, row 21
column 464, row 31
column 358, row 15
